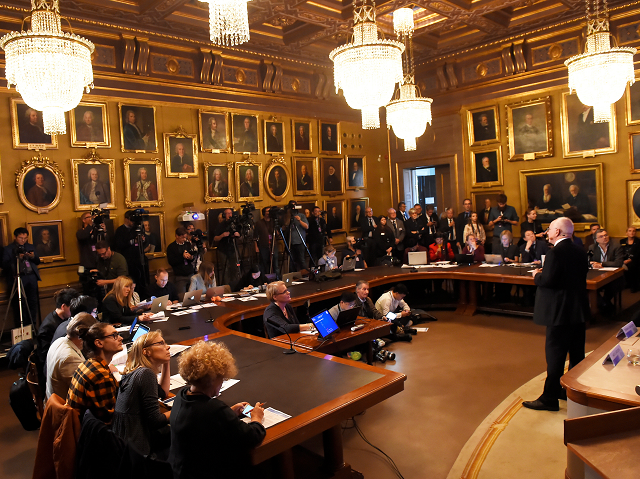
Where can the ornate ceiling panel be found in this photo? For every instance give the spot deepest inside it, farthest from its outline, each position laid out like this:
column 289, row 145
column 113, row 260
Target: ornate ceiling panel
column 312, row 28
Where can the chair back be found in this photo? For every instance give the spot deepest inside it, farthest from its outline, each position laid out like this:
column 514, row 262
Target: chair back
column 34, row 384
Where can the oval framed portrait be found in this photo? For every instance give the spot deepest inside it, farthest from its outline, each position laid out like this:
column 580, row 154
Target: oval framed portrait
column 39, row 183
column 276, row 179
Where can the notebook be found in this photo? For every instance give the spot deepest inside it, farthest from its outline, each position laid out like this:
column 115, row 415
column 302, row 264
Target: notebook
column 159, row 304
column 417, row 258
column 290, row 278
column 347, row 317
column 191, row 297
column 493, row 258
column 325, row 324
column 348, row 264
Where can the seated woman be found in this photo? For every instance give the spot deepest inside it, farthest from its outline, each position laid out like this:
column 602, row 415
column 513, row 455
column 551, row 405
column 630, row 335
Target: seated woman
column 440, row 251
column 137, row 418
column 383, row 239
column 252, row 279
column 329, row 260
column 205, row 278
column 354, row 252
column 472, row 247
column 116, row 305
column 279, row 317
column 208, row 439
column 475, row 228
column 507, row 250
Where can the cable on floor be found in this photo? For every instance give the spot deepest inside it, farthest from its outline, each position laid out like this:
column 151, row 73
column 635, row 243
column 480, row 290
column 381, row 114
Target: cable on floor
column 388, row 458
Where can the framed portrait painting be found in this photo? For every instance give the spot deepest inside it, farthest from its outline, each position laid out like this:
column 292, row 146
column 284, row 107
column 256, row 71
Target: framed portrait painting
column 47, row 239
column 483, row 199
column 4, row 229
column 634, row 152
column 331, row 176
column 245, row 133
column 215, row 131
column 89, row 125
column 356, row 172
column 274, row 137
column 357, row 209
column 137, row 128
column 27, row 127
column 94, row 183
column 483, row 125
column 336, row 215
column 306, row 207
column 249, row 181
column 529, row 129
column 573, row 191
column 329, row 138
column 302, row 136
column 143, row 183
column 180, row 155
column 155, row 243
column 633, row 103
column 306, row 176
column 217, row 182
column 39, row 182
column 277, row 178
column 581, row 135
column 633, row 200
column 486, row 168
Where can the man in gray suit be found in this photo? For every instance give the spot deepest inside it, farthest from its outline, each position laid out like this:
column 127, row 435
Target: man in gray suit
column 562, row 306
column 397, row 226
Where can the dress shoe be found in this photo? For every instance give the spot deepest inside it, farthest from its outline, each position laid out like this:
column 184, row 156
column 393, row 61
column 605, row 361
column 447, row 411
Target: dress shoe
column 563, row 395
column 540, row 406
column 411, row 331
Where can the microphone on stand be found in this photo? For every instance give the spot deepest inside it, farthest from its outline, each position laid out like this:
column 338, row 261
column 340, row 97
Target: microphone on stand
column 287, row 351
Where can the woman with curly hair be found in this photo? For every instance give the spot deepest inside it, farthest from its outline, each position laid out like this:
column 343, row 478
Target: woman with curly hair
column 205, row 432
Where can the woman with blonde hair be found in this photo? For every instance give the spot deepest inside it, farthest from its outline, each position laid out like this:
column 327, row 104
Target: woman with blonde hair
column 205, row 432
column 116, row 305
column 137, row 418
column 279, row 317
column 205, row 278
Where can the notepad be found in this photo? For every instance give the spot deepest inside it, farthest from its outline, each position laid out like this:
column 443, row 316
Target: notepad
column 271, row 417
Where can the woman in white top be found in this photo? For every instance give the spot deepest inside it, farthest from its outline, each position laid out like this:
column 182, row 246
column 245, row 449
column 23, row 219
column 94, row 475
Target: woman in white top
column 205, row 278
column 474, row 227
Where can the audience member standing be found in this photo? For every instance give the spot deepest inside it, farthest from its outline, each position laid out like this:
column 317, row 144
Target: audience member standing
column 461, row 222
column 501, row 218
column 475, row 228
column 397, row 226
column 299, row 228
column 448, row 228
column 181, row 258
column 226, row 252
column 317, row 235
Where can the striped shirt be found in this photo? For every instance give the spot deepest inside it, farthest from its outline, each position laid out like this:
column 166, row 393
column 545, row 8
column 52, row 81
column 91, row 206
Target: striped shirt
column 93, row 387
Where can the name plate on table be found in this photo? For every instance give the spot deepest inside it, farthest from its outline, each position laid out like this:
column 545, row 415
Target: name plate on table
column 614, row 356
column 627, row 330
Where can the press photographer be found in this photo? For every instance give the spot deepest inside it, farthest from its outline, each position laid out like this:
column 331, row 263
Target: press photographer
column 93, row 230
column 318, row 234
column 227, row 254
column 298, row 226
column 265, row 236
column 182, row 256
column 129, row 241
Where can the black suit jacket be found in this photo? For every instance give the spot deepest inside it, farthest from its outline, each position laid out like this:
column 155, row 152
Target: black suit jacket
column 535, row 253
column 364, row 224
column 461, row 222
column 561, row 299
column 274, row 313
column 443, row 227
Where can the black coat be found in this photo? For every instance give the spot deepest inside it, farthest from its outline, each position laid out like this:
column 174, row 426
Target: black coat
column 561, row 298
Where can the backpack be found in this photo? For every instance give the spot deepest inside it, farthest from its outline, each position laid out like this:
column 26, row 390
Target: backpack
column 24, row 408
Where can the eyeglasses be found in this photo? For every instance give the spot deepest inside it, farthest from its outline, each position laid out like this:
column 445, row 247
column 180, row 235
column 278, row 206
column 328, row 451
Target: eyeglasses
column 113, row 336
column 284, row 292
column 163, row 343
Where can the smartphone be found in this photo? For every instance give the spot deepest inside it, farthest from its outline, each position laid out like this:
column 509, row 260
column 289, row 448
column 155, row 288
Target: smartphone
column 391, row 316
column 247, row 410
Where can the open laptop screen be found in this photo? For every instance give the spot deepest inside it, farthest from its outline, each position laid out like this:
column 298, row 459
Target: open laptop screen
column 325, row 324
column 141, row 331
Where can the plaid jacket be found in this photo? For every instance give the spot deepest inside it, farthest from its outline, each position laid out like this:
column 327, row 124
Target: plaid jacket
column 93, row 387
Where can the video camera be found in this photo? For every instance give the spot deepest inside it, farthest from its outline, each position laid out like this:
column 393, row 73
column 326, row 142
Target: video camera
column 99, row 216
column 138, row 216
column 197, row 239
column 243, row 222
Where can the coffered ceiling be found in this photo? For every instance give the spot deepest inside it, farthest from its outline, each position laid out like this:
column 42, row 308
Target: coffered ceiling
column 312, row 28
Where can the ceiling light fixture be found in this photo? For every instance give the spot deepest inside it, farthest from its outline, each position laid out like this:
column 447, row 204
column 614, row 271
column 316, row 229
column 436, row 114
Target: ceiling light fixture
column 50, row 69
column 368, row 67
column 228, row 22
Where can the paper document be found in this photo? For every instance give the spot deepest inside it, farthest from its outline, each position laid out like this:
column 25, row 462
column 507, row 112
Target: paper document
column 488, row 265
column 421, row 330
column 122, row 329
column 227, row 383
column 159, row 315
column 175, row 382
column 209, row 305
column 607, row 268
column 224, row 300
column 177, row 348
column 297, row 282
column 357, row 270
column 250, row 298
column 227, row 294
column 260, row 295
column 271, row 417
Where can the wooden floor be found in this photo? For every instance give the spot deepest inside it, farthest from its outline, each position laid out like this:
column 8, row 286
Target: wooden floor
column 458, row 372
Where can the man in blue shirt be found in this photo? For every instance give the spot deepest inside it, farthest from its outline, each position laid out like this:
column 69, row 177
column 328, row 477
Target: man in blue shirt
column 502, row 217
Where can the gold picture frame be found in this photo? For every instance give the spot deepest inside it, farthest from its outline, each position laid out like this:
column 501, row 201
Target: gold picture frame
column 28, row 130
column 93, row 177
column 337, row 224
column 302, row 143
column 180, row 154
column 47, row 239
column 249, row 190
column 332, row 184
column 4, row 229
column 632, row 102
column 143, row 192
column 483, row 125
column 156, row 235
column 483, row 175
column 356, row 181
column 1, row 187
column 356, row 221
column 213, row 192
column 96, row 133
column 39, row 194
column 274, row 144
column 633, row 200
column 581, row 136
column 305, row 180
column 478, row 197
column 326, row 144
column 634, row 152
column 277, row 179
column 245, row 140
column 529, row 129
column 137, row 134
column 218, row 143
column 557, row 185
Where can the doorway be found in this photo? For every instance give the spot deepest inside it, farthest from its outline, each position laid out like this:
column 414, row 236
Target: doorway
column 427, row 185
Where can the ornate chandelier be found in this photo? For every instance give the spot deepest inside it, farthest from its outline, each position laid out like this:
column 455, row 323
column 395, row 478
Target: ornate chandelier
column 600, row 75
column 367, row 68
column 409, row 114
column 50, row 69
column 228, row 22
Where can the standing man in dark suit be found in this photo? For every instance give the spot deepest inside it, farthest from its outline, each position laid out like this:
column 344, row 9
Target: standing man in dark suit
column 429, row 227
column 448, row 228
column 483, row 216
column 397, row 226
column 317, row 235
column 368, row 224
column 461, row 222
column 562, row 306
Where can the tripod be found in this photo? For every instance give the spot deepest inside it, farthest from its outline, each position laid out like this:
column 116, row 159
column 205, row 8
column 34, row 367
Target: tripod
column 292, row 225
column 19, row 288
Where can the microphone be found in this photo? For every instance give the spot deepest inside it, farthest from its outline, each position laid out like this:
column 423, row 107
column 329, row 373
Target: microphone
column 273, row 323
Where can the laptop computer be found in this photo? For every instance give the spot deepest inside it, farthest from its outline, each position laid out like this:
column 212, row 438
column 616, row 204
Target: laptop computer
column 417, row 258
column 347, row 317
column 463, row 258
column 348, row 264
column 191, row 297
column 493, row 258
column 159, row 304
column 215, row 291
column 290, row 277
column 325, row 324
column 140, row 330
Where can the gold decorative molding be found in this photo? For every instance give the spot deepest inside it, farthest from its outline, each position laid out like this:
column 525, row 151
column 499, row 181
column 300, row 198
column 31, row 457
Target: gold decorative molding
column 482, row 70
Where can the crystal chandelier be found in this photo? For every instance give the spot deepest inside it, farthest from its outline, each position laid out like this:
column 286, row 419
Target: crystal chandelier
column 600, row 75
column 409, row 114
column 50, row 69
column 367, row 68
column 228, row 22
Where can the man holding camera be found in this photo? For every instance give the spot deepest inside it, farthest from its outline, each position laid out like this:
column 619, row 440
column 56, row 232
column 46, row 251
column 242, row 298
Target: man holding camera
column 316, row 235
column 299, row 227
column 181, row 255
column 87, row 237
column 501, row 218
column 20, row 256
column 225, row 236
column 110, row 265
column 126, row 241
column 265, row 236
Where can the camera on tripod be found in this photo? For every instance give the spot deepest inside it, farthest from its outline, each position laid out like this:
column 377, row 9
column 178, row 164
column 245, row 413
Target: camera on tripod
column 20, row 249
column 99, row 216
column 138, row 216
column 242, row 223
column 197, row 239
